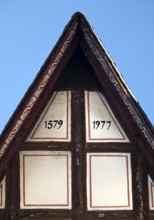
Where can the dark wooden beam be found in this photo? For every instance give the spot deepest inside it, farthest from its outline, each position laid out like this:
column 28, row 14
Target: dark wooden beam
column 13, row 189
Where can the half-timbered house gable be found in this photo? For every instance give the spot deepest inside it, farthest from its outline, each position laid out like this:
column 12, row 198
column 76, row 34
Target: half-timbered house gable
column 78, row 146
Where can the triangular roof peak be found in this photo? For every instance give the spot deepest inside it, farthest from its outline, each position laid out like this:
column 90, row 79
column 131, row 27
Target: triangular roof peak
column 77, row 34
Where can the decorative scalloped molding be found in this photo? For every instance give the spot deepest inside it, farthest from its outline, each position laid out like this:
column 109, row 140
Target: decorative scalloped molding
column 88, row 37
column 38, row 91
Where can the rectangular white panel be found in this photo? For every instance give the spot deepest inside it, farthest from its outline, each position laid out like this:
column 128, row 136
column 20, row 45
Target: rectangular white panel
column 45, row 179
column 101, row 123
column 109, row 182
column 151, row 193
column 2, row 194
column 54, row 123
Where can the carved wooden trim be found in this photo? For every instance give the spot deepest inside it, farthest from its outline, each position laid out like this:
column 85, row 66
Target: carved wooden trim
column 38, row 91
column 90, row 40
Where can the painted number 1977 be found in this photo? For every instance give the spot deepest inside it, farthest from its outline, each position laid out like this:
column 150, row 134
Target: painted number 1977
column 101, row 124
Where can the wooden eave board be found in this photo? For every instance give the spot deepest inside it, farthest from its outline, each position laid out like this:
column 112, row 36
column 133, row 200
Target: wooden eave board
column 43, row 83
column 77, row 29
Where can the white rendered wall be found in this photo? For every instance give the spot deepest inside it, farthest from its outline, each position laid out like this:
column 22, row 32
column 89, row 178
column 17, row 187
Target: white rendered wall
column 101, row 124
column 54, row 123
column 109, row 181
column 2, row 194
column 45, row 179
column 151, row 193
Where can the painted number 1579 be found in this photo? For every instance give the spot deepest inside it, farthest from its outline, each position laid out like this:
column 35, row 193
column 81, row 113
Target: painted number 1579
column 53, row 124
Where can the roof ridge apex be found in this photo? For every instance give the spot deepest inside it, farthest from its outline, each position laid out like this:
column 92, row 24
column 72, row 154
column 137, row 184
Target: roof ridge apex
column 78, row 14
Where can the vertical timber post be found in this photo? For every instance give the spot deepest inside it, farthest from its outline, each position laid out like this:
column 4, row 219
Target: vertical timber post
column 12, row 189
column 140, row 192
column 78, row 155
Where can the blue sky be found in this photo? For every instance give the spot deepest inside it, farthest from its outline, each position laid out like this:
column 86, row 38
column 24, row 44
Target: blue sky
column 30, row 29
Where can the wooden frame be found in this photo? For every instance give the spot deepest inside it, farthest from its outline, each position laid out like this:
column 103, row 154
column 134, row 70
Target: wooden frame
column 78, row 148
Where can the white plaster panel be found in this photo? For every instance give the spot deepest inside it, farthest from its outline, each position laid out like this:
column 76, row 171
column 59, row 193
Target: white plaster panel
column 151, row 193
column 109, row 181
column 45, row 179
column 54, row 123
column 2, row 194
column 101, row 124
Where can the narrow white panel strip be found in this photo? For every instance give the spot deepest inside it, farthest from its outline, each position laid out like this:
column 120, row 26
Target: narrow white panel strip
column 2, row 194
column 54, row 123
column 101, row 124
column 45, row 179
column 109, row 181
column 151, row 193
